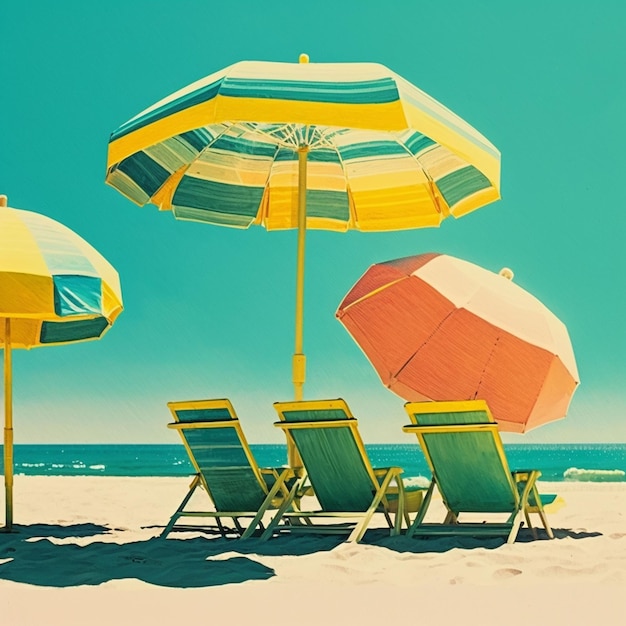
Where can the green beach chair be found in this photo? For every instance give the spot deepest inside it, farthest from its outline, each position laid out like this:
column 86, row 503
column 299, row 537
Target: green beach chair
column 225, row 467
column 462, row 446
column 336, row 463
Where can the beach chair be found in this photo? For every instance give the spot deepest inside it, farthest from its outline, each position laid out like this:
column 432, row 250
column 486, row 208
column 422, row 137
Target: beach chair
column 462, row 446
column 336, row 463
column 225, row 468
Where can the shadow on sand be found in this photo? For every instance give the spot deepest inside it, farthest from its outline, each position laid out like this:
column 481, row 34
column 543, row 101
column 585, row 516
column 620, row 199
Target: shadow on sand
column 35, row 531
column 44, row 555
column 419, row 545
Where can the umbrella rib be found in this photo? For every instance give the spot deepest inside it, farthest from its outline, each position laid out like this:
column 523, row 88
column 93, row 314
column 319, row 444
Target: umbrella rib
column 182, row 171
column 543, row 384
column 488, row 360
column 264, row 207
column 424, row 343
column 295, row 135
column 351, row 208
column 493, row 350
column 372, row 293
column 431, row 183
column 288, row 139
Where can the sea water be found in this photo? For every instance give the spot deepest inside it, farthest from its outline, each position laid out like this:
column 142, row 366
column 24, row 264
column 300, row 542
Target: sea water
column 557, row 462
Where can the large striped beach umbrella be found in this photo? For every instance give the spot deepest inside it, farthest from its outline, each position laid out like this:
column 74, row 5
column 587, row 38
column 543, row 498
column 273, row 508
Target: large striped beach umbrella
column 440, row 328
column 304, row 145
column 54, row 289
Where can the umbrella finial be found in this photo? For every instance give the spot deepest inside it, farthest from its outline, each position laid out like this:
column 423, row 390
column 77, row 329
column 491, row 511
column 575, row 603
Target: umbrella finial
column 3, row 200
column 303, row 58
column 507, row 273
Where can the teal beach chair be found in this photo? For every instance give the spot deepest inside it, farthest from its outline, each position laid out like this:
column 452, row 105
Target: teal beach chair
column 462, row 446
column 225, row 468
column 336, row 464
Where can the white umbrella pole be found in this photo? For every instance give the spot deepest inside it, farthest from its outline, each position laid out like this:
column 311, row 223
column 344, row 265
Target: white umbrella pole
column 299, row 360
column 8, row 428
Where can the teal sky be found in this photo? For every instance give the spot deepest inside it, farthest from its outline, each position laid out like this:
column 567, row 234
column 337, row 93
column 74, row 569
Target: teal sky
column 209, row 310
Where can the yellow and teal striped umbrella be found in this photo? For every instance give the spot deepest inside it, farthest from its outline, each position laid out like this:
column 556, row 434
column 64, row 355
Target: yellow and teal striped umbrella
column 304, row 145
column 383, row 155
column 54, row 289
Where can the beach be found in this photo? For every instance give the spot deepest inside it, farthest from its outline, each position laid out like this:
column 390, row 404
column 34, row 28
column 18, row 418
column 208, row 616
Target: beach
column 87, row 551
column 268, row 202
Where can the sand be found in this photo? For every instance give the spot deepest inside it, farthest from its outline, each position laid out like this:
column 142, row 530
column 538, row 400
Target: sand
column 87, row 552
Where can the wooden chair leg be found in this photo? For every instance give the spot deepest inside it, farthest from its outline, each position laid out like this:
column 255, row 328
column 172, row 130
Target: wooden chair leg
column 546, row 524
column 517, row 522
column 221, row 527
column 361, row 527
column 530, row 524
column 195, row 483
column 401, row 512
column 451, row 518
column 279, row 485
column 269, row 531
column 422, row 510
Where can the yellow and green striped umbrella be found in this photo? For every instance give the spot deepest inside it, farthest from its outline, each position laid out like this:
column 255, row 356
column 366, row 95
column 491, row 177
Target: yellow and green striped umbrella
column 304, row 145
column 383, row 155
column 54, row 289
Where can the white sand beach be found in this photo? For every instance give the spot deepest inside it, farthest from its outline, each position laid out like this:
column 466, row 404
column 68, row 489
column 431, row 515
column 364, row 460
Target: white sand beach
column 87, row 552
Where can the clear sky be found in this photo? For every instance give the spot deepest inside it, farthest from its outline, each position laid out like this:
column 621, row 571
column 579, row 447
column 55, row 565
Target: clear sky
column 209, row 310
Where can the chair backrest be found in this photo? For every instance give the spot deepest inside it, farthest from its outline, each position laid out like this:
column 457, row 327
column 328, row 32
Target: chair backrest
column 327, row 438
column 219, row 452
column 462, row 446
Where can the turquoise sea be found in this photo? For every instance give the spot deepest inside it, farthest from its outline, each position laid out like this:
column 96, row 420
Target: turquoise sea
column 557, row 462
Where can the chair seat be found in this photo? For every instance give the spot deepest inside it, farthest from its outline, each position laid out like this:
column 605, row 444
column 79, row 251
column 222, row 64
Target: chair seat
column 465, row 529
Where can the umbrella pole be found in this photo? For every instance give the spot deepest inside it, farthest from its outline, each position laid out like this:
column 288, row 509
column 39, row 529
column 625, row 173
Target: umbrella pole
column 299, row 359
column 8, row 428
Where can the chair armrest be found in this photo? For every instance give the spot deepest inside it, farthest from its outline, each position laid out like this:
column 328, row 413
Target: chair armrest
column 291, row 475
column 383, row 471
column 277, row 471
column 523, row 475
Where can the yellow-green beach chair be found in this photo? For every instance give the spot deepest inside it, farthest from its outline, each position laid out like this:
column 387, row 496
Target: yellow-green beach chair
column 339, row 470
column 462, row 446
column 225, row 467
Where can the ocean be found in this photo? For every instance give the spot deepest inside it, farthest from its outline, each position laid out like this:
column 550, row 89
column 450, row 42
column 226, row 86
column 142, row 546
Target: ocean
column 557, row 462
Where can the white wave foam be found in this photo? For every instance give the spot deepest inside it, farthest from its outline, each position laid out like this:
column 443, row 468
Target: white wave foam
column 417, row 481
column 594, row 475
column 97, row 467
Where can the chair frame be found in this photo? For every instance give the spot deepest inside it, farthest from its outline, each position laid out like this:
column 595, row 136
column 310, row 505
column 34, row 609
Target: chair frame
column 380, row 488
column 279, row 489
column 527, row 501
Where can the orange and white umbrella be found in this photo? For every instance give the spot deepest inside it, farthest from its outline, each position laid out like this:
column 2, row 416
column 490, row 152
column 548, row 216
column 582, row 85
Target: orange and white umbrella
column 439, row 328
